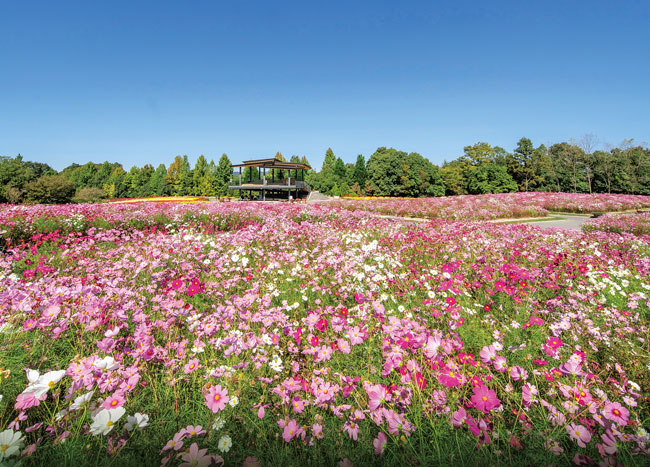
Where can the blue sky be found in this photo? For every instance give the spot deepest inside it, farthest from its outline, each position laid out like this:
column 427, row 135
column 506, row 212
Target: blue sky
column 140, row 82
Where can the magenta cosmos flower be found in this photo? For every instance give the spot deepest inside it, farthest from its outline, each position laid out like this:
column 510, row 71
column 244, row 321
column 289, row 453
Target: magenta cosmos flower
column 485, row 399
column 217, row 398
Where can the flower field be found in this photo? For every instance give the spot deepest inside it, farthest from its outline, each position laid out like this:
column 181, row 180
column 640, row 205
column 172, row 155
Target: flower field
column 632, row 223
column 277, row 334
column 496, row 206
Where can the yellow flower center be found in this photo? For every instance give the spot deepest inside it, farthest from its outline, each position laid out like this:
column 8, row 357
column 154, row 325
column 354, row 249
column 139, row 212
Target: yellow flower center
column 4, row 447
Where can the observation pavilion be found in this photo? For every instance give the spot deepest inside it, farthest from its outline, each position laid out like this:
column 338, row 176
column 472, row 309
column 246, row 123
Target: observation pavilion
column 272, row 179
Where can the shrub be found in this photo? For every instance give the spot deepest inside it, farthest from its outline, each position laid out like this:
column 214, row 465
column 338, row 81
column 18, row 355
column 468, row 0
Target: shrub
column 50, row 189
column 89, row 195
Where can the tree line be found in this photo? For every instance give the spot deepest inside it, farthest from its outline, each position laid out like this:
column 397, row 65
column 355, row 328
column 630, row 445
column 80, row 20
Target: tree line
column 482, row 168
column 562, row 167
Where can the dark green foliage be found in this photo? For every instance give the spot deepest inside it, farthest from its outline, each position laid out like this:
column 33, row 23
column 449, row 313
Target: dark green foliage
column 222, row 176
column 158, row 182
column 490, row 178
column 360, row 174
column 15, row 173
column 50, row 189
column 396, row 173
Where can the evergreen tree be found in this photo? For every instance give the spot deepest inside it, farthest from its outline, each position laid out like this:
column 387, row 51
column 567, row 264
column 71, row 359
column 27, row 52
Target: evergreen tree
column 360, row 174
column 340, row 171
column 222, row 176
column 174, row 175
column 200, row 172
column 330, row 160
column 185, row 178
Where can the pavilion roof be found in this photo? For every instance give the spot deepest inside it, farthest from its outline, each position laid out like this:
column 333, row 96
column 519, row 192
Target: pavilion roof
column 272, row 163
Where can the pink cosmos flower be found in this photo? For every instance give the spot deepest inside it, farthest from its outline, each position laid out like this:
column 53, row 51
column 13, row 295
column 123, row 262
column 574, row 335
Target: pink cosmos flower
column 192, row 431
column 554, row 342
column 616, row 413
column 343, row 346
column 485, row 399
column 176, row 443
column 488, row 354
column 196, row 457
column 355, row 335
column 191, row 365
column 317, row 430
column 216, row 398
column 323, row 353
column 380, row 443
column 322, row 325
column 432, row 346
column 579, row 434
column 376, row 395
column 298, row 404
column 352, row 429
column 500, row 364
column 518, row 373
column 449, row 379
column 114, row 401
column 291, row 430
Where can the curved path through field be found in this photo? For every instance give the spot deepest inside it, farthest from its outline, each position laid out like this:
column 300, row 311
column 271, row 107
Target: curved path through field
column 562, row 222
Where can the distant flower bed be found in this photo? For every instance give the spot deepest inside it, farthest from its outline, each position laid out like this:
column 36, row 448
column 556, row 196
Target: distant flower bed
column 495, row 206
column 161, row 199
column 633, row 223
column 37, row 223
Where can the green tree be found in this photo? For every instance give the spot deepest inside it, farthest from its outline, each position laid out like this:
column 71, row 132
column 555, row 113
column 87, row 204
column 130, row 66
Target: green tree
column 115, row 186
column 222, row 176
column 566, row 159
column 453, row 178
column 490, row 178
column 396, row 173
column 199, row 174
column 360, row 174
column 158, row 182
column 179, row 176
column 50, row 189
column 340, row 172
column 525, row 165
column 330, row 160
column 15, row 173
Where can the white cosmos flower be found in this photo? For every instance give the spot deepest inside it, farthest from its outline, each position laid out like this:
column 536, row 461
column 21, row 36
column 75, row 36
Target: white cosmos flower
column 104, row 420
column 79, row 401
column 138, row 420
column 218, row 424
column 234, row 400
column 106, row 363
column 44, row 382
column 10, row 443
column 224, row 443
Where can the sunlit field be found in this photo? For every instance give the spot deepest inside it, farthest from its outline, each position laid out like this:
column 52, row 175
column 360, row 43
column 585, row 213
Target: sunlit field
column 496, row 206
column 280, row 334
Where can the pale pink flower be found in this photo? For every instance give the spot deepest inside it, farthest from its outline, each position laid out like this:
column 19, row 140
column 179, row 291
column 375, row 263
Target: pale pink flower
column 579, row 434
column 217, row 398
